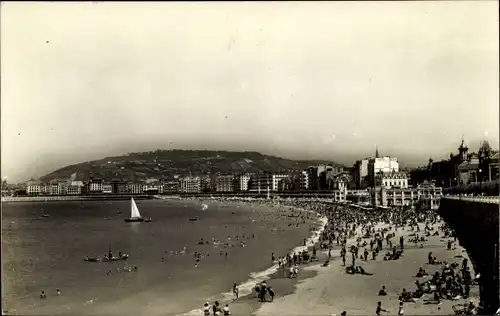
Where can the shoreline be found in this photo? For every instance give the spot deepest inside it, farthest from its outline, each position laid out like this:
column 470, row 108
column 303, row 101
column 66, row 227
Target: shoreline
column 73, row 198
column 266, row 212
column 316, row 293
column 272, row 272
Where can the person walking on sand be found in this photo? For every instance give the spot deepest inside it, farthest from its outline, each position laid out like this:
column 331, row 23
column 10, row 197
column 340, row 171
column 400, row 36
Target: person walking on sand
column 400, row 310
column 379, row 308
column 271, row 293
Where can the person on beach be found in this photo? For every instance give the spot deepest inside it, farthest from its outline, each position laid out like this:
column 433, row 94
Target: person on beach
column 236, row 291
column 206, row 309
column 226, row 311
column 382, row 291
column 216, row 308
column 400, row 310
column 380, row 309
column 42, row 295
column 271, row 293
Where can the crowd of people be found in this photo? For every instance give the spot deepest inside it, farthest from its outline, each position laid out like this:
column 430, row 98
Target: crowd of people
column 367, row 234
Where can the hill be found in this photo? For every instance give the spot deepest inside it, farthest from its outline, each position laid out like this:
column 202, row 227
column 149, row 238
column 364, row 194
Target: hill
column 161, row 164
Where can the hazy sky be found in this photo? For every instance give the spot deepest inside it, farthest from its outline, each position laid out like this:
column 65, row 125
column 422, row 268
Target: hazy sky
column 326, row 80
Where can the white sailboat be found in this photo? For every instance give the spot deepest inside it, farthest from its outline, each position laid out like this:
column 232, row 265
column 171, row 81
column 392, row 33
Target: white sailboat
column 135, row 215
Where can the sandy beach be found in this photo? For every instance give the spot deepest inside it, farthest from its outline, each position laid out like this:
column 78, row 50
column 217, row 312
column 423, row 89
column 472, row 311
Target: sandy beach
column 330, row 290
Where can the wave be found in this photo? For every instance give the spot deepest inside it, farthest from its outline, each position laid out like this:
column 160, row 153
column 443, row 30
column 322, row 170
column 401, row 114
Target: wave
column 246, row 288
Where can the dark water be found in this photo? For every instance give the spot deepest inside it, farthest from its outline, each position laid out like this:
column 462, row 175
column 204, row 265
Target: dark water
column 47, row 254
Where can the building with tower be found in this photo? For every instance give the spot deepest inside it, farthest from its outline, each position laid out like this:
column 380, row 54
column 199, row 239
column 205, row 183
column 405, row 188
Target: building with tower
column 380, row 165
column 460, row 169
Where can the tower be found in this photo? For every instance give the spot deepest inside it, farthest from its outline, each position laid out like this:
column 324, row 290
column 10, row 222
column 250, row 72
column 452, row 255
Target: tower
column 463, row 150
column 376, row 152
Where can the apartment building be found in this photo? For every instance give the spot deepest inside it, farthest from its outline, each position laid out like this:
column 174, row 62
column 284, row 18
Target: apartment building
column 107, row 188
column 242, row 182
column 261, row 182
column 280, row 182
column 225, row 183
column 190, row 185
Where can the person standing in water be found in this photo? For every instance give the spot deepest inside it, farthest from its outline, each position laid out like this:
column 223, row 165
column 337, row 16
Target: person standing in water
column 235, row 290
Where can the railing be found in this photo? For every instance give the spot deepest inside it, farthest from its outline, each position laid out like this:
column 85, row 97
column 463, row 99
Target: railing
column 489, row 188
column 481, row 199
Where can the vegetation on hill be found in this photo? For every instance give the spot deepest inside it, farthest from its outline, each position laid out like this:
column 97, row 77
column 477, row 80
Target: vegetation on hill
column 163, row 164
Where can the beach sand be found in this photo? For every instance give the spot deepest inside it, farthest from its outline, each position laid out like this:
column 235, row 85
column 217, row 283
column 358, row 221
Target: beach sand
column 332, row 291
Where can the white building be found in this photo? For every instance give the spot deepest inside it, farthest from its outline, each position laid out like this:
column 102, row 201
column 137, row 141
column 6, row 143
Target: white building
column 392, row 180
column 190, row 185
column 242, row 182
column 304, row 180
column 381, row 165
column 34, row 188
column 339, row 190
column 107, row 188
column 75, row 188
column 277, row 180
column 135, row 188
column 95, row 186
column 62, row 188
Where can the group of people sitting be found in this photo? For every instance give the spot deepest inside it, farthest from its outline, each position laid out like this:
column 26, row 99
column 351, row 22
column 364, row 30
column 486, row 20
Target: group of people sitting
column 216, row 309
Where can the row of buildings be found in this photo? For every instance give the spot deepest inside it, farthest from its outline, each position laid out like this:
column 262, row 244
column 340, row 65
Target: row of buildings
column 377, row 181
column 313, row 178
column 462, row 168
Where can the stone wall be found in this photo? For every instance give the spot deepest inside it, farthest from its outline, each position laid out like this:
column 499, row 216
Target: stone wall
column 476, row 225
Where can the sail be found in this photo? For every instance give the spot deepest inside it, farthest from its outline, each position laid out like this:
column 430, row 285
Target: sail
column 134, row 211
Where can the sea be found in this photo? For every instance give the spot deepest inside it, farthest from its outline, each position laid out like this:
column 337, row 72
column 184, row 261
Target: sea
column 45, row 253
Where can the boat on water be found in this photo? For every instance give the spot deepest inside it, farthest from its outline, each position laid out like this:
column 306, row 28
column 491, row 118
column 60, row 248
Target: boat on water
column 135, row 215
column 106, row 259
column 194, row 218
column 119, row 258
column 45, row 215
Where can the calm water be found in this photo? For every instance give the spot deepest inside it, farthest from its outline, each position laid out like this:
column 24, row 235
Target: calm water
column 47, row 254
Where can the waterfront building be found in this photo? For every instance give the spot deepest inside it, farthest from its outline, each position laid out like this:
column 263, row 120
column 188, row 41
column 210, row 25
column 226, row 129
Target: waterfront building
column 429, row 196
column 135, row 188
column 426, row 194
column 312, row 178
column 95, row 186
column 171, row 186
column 360, row 173
column 225, row 183
column 304, row 180
column 392, row 180
column 119, row 187
column 190, row 185
column 358, row 196
column 462, row 168
column 75, row 188
column 242, row 181
column 261, row 182
column 379, row 165
column 280, row 182
column 107, row 188
column 62, row 188
column 35, row 188
column 207, row 185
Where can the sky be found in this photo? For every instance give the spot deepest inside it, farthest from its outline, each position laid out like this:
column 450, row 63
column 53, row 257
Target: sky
column 302, row 80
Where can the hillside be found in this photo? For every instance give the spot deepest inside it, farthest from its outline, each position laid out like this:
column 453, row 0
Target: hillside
column 161, row 164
